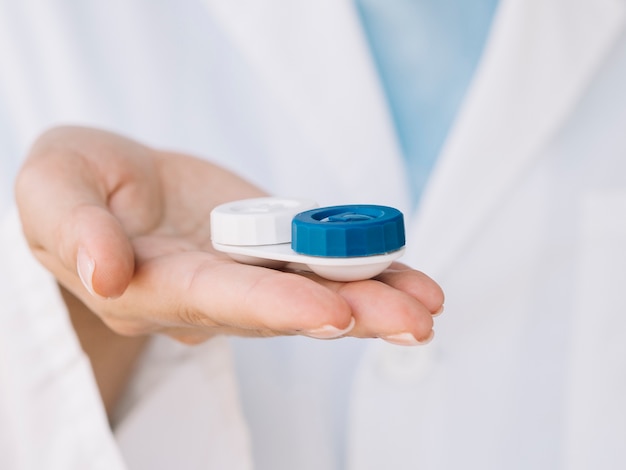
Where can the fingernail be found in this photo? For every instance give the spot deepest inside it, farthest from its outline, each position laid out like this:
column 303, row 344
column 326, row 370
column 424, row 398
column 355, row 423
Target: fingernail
column 407, row 339
column 85, row 266
column 329, row 331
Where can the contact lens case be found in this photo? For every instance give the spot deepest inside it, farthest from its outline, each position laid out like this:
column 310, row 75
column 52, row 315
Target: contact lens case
column 340, row 243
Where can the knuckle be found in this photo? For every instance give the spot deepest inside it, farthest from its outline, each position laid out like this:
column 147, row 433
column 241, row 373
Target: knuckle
column 195, row 318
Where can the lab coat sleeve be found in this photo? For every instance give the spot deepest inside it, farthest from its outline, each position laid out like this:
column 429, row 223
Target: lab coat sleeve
column 180, row 410
column 51, row 415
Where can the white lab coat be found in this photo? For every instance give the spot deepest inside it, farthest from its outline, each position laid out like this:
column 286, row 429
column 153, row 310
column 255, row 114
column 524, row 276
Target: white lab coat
column 522, row 223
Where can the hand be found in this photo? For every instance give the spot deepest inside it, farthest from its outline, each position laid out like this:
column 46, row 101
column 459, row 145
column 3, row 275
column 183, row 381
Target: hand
column 132, row 223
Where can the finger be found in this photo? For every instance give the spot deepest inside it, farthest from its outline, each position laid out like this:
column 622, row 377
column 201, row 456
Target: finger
column 62, row 197
column 200, row 290
column 381, row 310
column 416, row 284
column 193, row 335
column 88, row 242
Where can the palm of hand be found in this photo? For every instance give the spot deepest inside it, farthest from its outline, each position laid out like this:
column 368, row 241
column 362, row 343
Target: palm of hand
column 136, row 223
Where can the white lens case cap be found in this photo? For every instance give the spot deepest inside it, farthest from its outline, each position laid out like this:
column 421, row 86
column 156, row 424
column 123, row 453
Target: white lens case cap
column 258, row 221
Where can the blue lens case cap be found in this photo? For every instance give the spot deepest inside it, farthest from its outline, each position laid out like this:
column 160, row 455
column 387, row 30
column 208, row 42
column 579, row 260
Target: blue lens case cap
column 348, row 231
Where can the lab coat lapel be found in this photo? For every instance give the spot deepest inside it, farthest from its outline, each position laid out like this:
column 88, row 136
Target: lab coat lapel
column 539, row 58
column 313, row 57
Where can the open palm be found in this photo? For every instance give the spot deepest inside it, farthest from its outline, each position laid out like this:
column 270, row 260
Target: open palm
column 133, row 224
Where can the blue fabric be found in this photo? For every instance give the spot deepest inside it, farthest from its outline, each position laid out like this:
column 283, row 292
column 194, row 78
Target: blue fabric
column 426, row 52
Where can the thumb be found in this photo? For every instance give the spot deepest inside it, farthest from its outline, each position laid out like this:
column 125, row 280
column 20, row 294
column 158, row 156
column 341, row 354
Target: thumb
column 84, row 244
column 62, row 203
column 94, row 244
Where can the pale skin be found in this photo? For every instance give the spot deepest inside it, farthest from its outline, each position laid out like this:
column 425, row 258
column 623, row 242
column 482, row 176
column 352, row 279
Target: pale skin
column 134, row 221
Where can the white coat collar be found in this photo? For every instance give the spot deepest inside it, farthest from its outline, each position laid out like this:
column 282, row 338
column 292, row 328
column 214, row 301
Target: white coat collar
column 539, row 59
